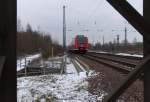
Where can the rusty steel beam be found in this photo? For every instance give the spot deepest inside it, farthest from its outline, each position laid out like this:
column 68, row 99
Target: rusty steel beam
column 132, row 16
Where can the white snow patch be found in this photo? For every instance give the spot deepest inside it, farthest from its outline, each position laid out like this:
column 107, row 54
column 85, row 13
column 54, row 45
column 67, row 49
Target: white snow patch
column 70, row 69
column 70, row 87
column 98, row 51
column 123, row 54
column 126, row 54
column 83, row 69
column 21, row 62
column 51, row 64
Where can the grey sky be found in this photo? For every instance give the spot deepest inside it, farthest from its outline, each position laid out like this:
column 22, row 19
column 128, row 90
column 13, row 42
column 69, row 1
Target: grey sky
column 95, row 15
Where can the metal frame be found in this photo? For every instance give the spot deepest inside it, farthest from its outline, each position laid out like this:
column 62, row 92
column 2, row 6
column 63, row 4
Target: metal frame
column 141, row 24
column 8, row 50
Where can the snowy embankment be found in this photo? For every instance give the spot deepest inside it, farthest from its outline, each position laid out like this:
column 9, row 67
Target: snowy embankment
column 25, row 60
column 69, row 87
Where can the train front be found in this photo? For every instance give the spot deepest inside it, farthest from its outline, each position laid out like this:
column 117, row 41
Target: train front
column 81, row 44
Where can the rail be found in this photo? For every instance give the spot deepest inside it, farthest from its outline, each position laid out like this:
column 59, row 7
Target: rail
column 78, row 68
column 133, row 75
column 112, row 64
column 116, row 55
column 125, row 61
column 86, row 67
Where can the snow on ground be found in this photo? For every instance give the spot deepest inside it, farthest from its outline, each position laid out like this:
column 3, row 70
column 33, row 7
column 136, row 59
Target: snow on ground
column 126, row 54
column 21, row 62
column 123, row 54
column 52, row 63
column 69, row 87
column 98, row 51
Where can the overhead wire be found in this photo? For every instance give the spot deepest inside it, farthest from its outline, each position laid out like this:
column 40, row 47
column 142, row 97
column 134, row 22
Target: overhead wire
column 99, row 4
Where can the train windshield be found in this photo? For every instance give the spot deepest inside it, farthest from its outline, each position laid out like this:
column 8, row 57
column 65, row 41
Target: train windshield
column 81, row 39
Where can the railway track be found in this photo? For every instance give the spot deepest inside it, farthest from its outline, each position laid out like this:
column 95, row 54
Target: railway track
column 80, row 65
column 113, row 70
column 78, row 68
column 124, row 64
column 115, row 55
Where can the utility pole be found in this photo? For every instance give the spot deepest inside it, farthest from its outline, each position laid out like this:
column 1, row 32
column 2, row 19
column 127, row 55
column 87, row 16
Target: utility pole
column 52, row 52
column 93, row 40
column 52, row 57
column 64, row 29
column 25, row 66
column 114, row 45
column 125, row 40
column 103, row 40
column 103, row 47
column 118, row 38
column 64, row 39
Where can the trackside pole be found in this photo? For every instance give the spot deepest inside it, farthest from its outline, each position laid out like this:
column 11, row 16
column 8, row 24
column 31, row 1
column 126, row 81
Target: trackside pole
column 52, row 57
column 25, row 66
column 64, row 39
column 52, row 52
column 20, row 63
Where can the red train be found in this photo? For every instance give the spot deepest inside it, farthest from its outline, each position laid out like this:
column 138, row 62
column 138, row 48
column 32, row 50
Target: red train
column 80, row 44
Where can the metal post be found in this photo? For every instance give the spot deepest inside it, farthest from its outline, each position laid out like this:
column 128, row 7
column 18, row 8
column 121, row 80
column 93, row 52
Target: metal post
column 52, row 59
column 118, row 37
column 64, row 36
column 125, row 39
column 52, row 52
column 64, row 29
column 146, row 14
column 103, row 40
column 114, row 47
column 25, row 67
column 20, row 63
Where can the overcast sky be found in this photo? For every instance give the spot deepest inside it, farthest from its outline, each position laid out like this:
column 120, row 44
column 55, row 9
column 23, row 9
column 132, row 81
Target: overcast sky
column 95, row 15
